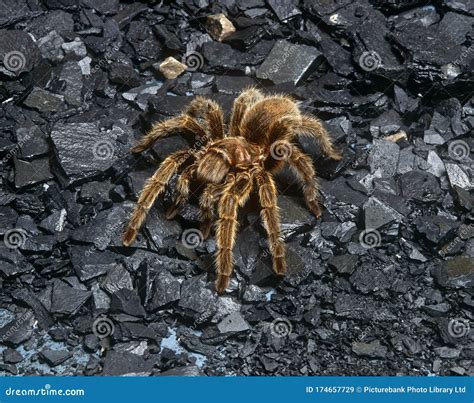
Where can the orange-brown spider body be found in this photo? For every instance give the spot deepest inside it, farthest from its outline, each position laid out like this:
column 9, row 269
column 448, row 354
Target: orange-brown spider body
column 232, row 160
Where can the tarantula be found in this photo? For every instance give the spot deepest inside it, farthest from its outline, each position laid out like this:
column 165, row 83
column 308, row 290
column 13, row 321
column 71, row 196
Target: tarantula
column 259, row 140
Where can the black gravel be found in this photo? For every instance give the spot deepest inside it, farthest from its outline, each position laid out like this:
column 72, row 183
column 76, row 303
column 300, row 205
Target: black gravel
column 382, row 284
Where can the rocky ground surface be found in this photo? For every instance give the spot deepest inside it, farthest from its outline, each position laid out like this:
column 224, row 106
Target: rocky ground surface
column 382, row 284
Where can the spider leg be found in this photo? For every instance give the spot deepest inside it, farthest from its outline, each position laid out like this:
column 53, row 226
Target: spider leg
column 153, row 187
column 210, row 112
column 270, row 214
column 241, row 104
column 207, row 202
column 235, row 194
column 182, row 188
column 303, row 167
column 314, row 127
column 169, row 126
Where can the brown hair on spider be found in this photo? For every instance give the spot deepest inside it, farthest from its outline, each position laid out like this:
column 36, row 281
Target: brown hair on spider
column 257, row 142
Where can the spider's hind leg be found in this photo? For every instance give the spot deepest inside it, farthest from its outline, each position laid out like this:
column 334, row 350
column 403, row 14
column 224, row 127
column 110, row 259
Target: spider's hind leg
column 267, row 193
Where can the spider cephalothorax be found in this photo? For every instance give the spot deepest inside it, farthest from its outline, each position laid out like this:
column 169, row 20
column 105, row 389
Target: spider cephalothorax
column 258, row 142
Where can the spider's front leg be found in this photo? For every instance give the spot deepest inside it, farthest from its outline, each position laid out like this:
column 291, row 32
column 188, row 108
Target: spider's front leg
column 235, row 194
column 267, row 193
column 167, row 127
column 152, row 189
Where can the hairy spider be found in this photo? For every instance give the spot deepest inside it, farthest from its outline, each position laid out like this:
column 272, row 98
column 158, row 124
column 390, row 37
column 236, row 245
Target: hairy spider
column 259, row 140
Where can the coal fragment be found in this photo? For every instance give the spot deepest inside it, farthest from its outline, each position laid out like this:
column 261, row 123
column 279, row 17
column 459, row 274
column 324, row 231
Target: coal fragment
column 44, row 101
column 67, row 300
column 82, row 149
column 420, row 186
column 127, row 301
column 18, row 53
column 373, row 349
column 125, row 363
column 55, row 357
column 288, row 62
column 344, row 264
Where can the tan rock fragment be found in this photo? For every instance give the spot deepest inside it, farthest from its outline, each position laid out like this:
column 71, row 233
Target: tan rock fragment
column 397, row 136
column 172, row 68
column 219, row 27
